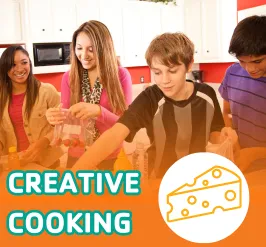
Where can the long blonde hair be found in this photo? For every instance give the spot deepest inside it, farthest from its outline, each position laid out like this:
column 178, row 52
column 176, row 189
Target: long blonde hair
column 106, row 63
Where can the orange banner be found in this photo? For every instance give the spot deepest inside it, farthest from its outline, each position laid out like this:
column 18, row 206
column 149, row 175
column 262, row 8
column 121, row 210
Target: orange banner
column 148, row 226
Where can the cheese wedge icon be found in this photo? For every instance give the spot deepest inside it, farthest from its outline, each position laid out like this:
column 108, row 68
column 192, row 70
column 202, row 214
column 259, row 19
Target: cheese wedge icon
column 215, row 188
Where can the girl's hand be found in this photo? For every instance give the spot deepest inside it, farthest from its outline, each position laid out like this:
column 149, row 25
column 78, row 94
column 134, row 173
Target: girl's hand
column 55, row 115
column 84, row 110
column 33, row 153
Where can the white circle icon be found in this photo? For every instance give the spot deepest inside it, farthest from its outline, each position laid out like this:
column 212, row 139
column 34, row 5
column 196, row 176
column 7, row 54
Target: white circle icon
column 203, row 197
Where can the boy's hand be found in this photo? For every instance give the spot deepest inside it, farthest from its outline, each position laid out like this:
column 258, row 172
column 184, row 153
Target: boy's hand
column 33, row 153
column 84, row 110
column 228, row 132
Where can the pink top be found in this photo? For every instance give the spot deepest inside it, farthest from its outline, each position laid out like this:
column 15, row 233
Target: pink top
column 15, row 113
column 107, row 119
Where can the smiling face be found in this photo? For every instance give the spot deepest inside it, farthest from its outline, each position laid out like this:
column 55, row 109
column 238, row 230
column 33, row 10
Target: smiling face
column 19, row 73
column 171, row 80
column 84, row 51
column 254, row 65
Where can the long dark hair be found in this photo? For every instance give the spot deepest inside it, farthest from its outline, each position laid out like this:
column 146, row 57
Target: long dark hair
column 106, row 61
column 32, row 91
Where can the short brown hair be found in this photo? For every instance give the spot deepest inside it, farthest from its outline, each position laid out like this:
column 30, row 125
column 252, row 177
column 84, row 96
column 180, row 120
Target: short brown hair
column 171, row 49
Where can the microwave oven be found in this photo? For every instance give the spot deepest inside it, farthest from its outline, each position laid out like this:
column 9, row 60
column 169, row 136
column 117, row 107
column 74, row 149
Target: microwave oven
column 47, row 54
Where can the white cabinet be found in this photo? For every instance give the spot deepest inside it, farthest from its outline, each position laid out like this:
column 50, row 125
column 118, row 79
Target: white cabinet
column 107, row 12
column 172, row 18
column 11, row 22
column 228, row 22
column 87, row 10
column 64, row 19
column 41, row 26
column 132, row 26
column 150, row 25
column 51, row 20
column 210, row 28
column 141, row 24
column 193, row 25
column 111, row 16
column 210, row 24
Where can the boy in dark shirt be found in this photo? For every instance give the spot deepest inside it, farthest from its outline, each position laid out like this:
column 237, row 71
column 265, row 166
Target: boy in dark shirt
column 180, row 116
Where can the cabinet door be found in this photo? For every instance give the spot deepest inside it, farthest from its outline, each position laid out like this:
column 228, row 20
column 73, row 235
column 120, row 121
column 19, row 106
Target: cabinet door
column 87, row 10
column 172, row 18
column 111, row 16
column 228, row 22
column 151, row 25
column 40, row 19
column 132, row 26
column 64, row 20
column 210, row 29
column 10, row 22
column 193, row 25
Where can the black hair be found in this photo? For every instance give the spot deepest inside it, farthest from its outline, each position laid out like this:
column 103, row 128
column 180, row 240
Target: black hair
column 249, row 37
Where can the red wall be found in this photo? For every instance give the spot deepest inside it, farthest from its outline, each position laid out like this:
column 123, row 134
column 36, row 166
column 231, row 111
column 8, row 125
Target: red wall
column 135, row 72
column 245, row 4
column 54, row 78
column 215, row 72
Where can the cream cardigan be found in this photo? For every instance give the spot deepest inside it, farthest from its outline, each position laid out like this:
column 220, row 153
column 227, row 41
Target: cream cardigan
column 37, row 126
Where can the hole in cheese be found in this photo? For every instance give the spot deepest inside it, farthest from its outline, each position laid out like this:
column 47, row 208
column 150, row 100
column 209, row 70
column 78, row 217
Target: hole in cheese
column 184, row 212
column 205, row 204
column 216, row 173
column 230, row 195
column 192, row 200
column 205, row 182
